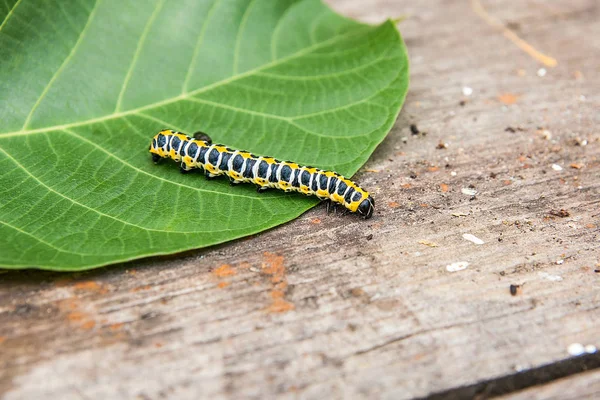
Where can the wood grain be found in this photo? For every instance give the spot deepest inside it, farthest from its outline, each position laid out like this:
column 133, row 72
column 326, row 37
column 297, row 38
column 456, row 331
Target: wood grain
column 331, row 306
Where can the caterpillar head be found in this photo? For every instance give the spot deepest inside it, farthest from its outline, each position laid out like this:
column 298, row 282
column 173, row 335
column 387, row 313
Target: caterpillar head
column 158, row 145
column 366, row 207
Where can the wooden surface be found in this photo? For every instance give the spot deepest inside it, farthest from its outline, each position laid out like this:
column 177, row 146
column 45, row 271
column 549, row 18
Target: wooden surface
column 335, row 307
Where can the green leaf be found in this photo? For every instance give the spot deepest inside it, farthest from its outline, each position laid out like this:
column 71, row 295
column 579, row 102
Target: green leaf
column 85, row 84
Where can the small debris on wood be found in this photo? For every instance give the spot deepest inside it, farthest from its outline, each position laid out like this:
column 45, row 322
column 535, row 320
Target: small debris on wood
column 413, row 175
column 508, row 99
column 468, row 191
column 562, row 213
column 555, row 149
column 428, row 243
column 577, row 349
column 541, row 72
column 453, row 173
column 544, row 133
column 590, row 349
column 369, row 236
column 441, row 145
column 357, row 292
column 472, row 238
column 580, row 142
column 457, row 266
column 557, row 167
column 444, row 188
column 575, row 166
column 467, row 91
column 515, row 289
column 460, row 214
column 550, row 277
column 372, row 170
column 493, row 175
column 414, row 130
column 462, row 103
column 514, row 26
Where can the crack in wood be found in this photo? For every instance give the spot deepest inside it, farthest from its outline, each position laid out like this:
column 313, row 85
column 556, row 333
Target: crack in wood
column 521, row 380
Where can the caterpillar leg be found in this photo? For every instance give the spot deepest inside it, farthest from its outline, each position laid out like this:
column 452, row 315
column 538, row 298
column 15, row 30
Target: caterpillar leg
column 209, row 176
column 184, row 168
column 202, row 136
column 261, row 189
column 156, row 158
column 233, row 182
column 331, row 206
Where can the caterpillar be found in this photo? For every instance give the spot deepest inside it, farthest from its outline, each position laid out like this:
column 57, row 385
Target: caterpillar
column 265, row 172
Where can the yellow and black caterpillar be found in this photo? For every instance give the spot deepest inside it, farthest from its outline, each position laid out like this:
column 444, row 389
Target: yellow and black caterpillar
column 266, row 172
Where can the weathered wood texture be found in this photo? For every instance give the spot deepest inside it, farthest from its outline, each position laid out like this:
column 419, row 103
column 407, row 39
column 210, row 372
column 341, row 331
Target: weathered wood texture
column 332, row 306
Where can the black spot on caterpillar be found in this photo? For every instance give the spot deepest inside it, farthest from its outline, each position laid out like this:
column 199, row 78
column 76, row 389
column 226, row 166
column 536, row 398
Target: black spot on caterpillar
column 265, row 172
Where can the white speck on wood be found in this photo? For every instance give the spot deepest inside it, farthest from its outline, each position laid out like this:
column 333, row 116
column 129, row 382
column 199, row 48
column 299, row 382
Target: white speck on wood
column 576, row 349
column 472, row 238
column 457, row 266
column 550, row 277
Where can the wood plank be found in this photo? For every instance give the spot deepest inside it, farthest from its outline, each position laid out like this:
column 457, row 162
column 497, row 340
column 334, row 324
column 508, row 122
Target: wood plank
column 317, row 309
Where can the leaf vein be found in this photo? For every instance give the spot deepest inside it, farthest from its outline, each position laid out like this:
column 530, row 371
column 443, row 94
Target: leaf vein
column 10, row 13
column 181, row 96
column 236, row 52
column 75, row 202
column 184, row 88
column 138, row 50
column 62, row 66
column 331, row 75
column 59, row 249
column 141, row 171
column 275, row 34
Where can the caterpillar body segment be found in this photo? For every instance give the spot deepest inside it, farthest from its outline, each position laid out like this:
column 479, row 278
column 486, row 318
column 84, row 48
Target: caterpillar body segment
column 265, row 172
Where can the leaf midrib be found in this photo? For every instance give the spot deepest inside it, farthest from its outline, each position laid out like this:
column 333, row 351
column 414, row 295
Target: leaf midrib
column 188, row 95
